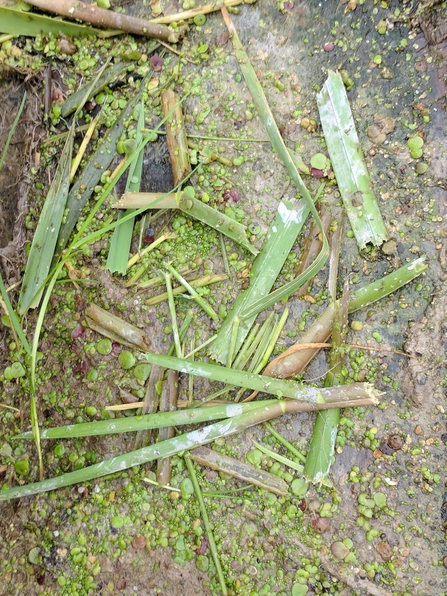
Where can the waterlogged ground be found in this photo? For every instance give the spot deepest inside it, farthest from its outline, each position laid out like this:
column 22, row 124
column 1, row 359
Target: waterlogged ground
column 379, row 530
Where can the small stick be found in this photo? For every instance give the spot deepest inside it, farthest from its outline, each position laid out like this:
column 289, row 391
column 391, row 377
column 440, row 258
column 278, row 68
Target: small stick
column 168, row 402
column 175, row 135
column 89, row 13
column 178, row 348
column 84, row 145
column 199, row 299
column 190, row 14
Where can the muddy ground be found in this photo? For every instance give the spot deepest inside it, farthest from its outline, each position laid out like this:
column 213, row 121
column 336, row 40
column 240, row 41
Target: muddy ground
column 119, row 535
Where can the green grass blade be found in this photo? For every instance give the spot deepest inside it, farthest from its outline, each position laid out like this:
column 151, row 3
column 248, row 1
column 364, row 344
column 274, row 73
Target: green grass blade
column 281, row 458
column 91, row 175
column 29, row 24
column 45, row 237
column 122, row 234
column 269, row 123
column 348, row 163
column 109, row 75
column 288, row 222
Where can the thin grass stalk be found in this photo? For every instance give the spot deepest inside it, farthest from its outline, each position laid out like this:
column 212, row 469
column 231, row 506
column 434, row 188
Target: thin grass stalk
column 150, row 404
column 270, row 324
column 322, row 443
column 292, row 362
column 241, row 359
column 159, row 279
column 278, row 457
column 278, row 387
column 180, row 443
column 199, row 299
column 233, row 337
column 268, row 120
column 147, row 421
column 224, row 254
column 131, row 262
column 272, row 343
column 278, row 436
column 200, row 282
column 206, row 523
column 12, row 130
column 178, row 348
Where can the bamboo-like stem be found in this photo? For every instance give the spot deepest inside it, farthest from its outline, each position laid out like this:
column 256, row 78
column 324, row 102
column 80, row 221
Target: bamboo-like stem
column 291, row 363
column 175, row 135
column 278, row 387
column 239, row 469
column 168, row 402
column 89, row 13
column 206, row 523
column 322, row 443
column 200, row 282
column 189, row 288
column 172, row 446
column 190, row 205
column 118, row 326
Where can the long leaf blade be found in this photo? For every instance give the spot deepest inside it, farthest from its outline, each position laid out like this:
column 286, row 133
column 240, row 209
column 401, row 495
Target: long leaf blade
column 348, row 163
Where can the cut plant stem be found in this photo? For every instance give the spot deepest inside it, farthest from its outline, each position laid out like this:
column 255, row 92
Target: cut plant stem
column 177, row 444
column 278, row 387
column 131, row 262
column 199, row 299
column 322, row 444
column 120, row 328
column 168, row 402
column 187, row 203
column 175, row 135
column 178, row 348
column 200, row 282
column 348, row 163
column 82, row 11
column 233, row 337
column 206, row 523
column 292, row 362
column 239, row 469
